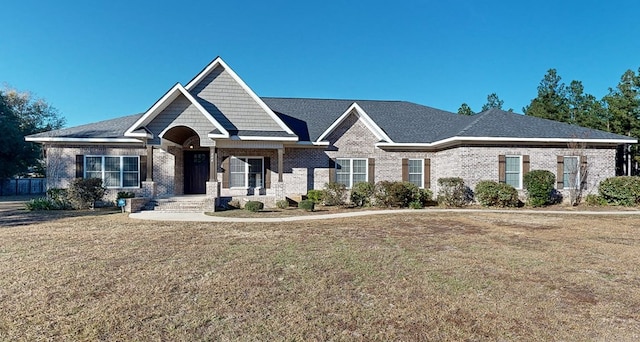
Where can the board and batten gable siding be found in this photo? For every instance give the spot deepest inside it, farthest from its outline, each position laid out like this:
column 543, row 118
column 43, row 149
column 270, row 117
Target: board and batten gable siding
column 181, row 112
column 230, row 104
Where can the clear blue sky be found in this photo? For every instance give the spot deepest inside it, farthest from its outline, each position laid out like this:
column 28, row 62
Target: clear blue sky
column 97, row 60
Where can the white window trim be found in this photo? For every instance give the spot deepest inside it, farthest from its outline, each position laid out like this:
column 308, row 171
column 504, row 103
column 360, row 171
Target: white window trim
column 102, row 171
column 421, row 171
column 519, row 187
column 366, row 172
column 246, row 173
column 568, row 185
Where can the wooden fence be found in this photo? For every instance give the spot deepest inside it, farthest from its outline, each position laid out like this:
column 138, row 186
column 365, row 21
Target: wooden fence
column 23, row 186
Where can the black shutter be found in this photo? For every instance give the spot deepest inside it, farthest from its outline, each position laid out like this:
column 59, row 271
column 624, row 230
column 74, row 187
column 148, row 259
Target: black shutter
column 79, row 166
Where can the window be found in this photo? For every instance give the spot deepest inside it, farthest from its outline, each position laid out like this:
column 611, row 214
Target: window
column 115, row 171
column 246, row 172
column 351, row 171
column 571, row 174
column 416, row 172
column 513, row 174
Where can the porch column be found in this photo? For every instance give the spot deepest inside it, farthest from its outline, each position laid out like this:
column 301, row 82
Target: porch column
column 147, row 184
column 213, row 187
column 280, row 163
column 149, row 163
column 213, row 167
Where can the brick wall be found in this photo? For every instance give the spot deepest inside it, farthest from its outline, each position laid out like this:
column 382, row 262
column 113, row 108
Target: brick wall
column 61, row 163
column 307, row 168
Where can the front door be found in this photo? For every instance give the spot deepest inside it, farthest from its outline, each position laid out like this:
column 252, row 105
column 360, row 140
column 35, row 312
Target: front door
column 196, row 172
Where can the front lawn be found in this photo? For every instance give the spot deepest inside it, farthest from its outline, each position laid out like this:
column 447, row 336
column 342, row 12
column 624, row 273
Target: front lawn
column 409, row 276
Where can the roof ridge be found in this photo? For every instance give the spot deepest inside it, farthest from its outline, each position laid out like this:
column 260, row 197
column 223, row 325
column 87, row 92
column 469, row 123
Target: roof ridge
column 329, row 99
column 478, row 116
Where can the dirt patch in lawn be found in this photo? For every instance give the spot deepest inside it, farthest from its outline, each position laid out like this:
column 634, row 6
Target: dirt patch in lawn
column 442, row 276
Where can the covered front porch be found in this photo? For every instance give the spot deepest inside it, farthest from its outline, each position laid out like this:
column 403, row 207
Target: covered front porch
column 222, row 170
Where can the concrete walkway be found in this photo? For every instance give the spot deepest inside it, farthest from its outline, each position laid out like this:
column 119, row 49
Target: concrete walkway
column 199, row 217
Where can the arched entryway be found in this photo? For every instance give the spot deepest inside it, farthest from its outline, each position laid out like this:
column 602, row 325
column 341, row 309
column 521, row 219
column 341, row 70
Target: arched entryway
column 194, row 163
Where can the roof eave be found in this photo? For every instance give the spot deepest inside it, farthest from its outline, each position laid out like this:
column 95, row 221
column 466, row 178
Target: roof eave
column 501, row 140
column 81, row 140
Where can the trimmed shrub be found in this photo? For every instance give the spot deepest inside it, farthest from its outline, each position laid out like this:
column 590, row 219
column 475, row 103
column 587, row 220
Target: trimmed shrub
column 254, row 206
column 315, row 195
column 126, row 194
column 595, row 200
column 307, row 205
column 397, row 194
column 622, row 190
column 334, row 194
column 452, row 192
column 84, row 192
column 362, row 193
column 494, row 194
column 425, row 196
column 59, row 198
column 539, row 187
column 282, row 204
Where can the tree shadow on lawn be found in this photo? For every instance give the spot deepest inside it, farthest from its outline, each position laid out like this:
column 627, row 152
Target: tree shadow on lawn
column 14, row 217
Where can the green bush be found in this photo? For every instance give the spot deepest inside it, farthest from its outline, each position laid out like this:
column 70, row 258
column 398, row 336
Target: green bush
column 42, row 203
column 539, row 187
column 362, row 194
column 282, row 204
column 126, row 194
column 425, row 196
column 452, row 192
column 398, row 194
column 494, row 194
column 59, row 198
column 307, row 205
column 622, row 190
column 315, row 195
column 595, row 200
column 416, row 205
column 254, row 206
column 84, row 192
column 334, row 194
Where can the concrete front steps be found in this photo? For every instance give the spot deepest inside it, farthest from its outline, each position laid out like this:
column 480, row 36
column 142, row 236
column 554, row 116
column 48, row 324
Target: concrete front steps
column 182, row 204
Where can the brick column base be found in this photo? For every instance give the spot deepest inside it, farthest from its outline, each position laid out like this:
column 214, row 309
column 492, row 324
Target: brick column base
column 149, row 189
column 213, row 193
column 279, row 190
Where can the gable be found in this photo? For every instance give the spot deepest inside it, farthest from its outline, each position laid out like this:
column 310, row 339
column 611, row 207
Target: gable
column 232, row 103
column 356, row 111
column 139, row 129
column 352, row 135
column 180, row 112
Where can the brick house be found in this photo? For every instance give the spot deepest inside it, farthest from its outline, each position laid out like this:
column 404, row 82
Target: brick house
column 215, row 136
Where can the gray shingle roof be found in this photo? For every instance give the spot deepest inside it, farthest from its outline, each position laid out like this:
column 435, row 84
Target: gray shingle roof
column 113, row 128
column 498, row 123
column 403, row 122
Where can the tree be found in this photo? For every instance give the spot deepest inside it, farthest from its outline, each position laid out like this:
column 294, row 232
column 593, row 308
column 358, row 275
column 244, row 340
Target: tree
column 623, row 104
column 34, row 115
column 623, row 108
column 12, row 145
column 465, row 110
column 584, row 109
column 493, row 101
column 551, row 102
